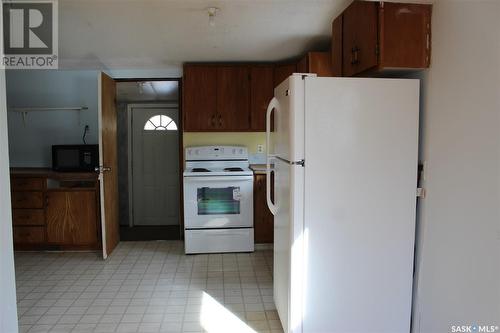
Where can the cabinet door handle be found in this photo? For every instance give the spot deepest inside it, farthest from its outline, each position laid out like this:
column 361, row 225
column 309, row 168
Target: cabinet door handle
column 355, row 55
column 213, row 120
column 220, row 121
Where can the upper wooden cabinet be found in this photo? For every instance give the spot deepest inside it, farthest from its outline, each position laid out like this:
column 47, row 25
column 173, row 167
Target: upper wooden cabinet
column 261, row 93
column 199, row 98
column 282, row 71
column 336, row 47
column 359, row 37
column 319, row 63
column 226, row 98
column 379, row 36
column 233, row 98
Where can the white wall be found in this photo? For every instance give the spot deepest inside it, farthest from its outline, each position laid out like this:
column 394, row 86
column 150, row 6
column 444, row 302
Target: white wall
column 458, row 267
column 30, row 142
column 8, row 308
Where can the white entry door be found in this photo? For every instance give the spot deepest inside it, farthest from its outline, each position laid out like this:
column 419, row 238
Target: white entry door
column 155, row 165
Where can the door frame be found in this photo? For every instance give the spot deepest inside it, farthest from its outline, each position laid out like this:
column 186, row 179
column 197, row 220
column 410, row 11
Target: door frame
column 130, row 107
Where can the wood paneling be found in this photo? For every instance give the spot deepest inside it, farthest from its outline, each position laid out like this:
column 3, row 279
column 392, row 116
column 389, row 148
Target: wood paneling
column 405, row 35
column 263, row 218
column 28, row 217
column 109, row 159
column 283, row 71
column 27, row 199
column 199, row 97
column 336, row 51
column 29, row 235
column 261, row 93
column 27, row 184
column 360, row 27
column 233, row 98
column 71, row 217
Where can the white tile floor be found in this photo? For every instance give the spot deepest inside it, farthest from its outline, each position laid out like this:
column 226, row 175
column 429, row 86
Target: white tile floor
column 146, row 287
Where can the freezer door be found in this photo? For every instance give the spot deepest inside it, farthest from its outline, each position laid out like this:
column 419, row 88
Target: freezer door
column 360, row 185
column 288, row 136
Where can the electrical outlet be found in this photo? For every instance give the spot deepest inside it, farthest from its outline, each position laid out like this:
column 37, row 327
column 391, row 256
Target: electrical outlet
column 260, row 149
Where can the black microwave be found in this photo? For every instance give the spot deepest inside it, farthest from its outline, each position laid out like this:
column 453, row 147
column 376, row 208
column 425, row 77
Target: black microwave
column 75, row 157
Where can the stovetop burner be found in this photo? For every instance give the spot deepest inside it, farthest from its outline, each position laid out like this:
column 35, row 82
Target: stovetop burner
column 233, row 169
column 200, row 170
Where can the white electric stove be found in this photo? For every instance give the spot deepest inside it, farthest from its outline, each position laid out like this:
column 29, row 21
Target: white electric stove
column 218, row 200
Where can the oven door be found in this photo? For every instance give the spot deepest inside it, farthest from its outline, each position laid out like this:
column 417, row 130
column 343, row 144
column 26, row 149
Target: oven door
column 218, row 202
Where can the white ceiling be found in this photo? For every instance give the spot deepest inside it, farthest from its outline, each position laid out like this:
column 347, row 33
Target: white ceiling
column 156, row 34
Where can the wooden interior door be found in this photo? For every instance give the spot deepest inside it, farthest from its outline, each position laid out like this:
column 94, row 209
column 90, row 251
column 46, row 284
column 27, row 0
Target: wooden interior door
column 360, row 37
column 108, row 164
column 261, row 92
column 199, row 97
column 233, row 98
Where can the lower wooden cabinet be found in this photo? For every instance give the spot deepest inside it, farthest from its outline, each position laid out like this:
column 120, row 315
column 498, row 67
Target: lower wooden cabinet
column 263, row 218
column 71, row 217
column 55, row 211
column 29, row 235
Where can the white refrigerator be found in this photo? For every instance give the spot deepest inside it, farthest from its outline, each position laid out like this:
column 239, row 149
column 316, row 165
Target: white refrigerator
column 344, row 155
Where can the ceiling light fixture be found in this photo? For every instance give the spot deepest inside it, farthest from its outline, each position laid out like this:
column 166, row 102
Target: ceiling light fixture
column 212, row 12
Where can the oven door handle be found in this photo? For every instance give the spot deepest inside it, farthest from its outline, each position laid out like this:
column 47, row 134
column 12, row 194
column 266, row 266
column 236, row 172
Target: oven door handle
column 273, row 105
column 229, row 179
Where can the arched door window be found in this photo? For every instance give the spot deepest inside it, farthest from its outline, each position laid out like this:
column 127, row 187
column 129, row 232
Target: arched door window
column 160, row 122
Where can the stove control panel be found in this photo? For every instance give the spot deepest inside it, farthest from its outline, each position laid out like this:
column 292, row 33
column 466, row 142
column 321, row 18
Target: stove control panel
column 216, row 153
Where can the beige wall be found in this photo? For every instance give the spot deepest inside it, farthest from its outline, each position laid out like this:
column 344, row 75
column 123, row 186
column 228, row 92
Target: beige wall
column 458, row 258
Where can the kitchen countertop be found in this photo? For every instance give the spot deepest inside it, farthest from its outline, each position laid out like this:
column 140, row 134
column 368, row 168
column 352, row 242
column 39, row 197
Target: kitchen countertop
column 49, row 173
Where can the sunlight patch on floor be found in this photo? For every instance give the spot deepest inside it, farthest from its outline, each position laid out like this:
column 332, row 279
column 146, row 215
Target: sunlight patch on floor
column 215, row 318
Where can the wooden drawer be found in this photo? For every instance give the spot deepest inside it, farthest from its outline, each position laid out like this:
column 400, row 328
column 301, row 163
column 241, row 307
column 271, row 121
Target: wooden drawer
column 29, row 235
column 28, row 217
column 27, row 184
column 27, row 199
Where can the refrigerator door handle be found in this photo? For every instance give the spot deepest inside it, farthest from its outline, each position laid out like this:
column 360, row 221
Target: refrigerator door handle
column 273, row 105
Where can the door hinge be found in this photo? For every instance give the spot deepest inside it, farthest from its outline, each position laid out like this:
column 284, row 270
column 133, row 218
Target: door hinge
column 421, row 192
